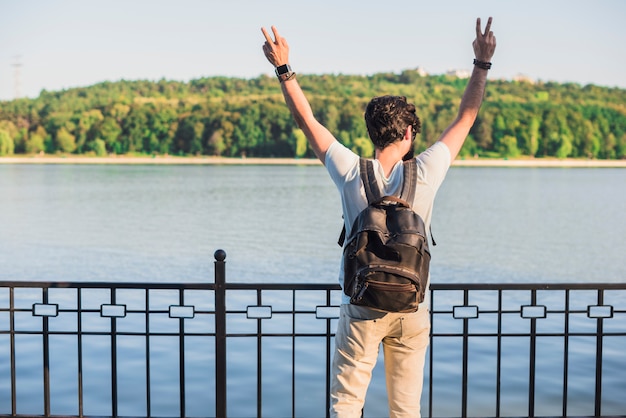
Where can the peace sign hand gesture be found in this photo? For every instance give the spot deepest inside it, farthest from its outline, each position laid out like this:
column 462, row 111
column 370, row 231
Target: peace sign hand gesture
column 485, row 43
column 276, row 52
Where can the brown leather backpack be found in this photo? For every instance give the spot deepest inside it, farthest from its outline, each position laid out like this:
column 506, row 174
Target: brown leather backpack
column 386, row 258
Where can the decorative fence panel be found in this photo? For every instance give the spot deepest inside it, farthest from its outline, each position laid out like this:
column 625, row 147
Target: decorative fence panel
column 247, row 349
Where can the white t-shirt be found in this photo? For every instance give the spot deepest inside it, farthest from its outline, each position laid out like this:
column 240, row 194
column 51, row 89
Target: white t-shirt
column 343, row 167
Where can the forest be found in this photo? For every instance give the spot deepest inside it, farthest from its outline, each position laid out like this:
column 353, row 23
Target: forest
column 235, row 117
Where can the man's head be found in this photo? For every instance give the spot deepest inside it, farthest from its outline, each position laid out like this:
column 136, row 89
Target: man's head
column 388, row 117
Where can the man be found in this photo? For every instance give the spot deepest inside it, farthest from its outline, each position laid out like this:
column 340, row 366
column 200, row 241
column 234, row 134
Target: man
column 392, row 124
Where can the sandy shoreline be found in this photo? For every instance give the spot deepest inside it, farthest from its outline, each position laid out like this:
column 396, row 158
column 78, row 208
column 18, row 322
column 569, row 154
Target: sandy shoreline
column 171, row 160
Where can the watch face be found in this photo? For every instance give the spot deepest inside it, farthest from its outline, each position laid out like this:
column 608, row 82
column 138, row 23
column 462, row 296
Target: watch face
column 282, row 69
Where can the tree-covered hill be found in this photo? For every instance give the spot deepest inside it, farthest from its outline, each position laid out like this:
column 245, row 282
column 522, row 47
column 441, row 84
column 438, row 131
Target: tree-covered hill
column 247, row 117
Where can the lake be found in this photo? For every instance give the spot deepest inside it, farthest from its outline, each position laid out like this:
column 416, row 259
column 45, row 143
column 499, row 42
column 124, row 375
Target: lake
column 281, row 223
column 155, row 223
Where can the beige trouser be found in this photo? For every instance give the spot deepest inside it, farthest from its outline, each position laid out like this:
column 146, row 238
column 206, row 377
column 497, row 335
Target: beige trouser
column 360, row 331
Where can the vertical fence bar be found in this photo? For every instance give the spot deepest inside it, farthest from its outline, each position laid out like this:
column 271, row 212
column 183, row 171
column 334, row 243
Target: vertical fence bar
column 113, row 357
column 566, row 353
column 259, row 360
column 46, row 357
column 430, row 355
column 181, row 354
column 329, row 354
column 148, row 390
column 465, row 356
column 79, row 341
column 533, row 350
column 599, row 332
column 293, row 359
column 220, row 334
column 499, row 356
column 12, row 342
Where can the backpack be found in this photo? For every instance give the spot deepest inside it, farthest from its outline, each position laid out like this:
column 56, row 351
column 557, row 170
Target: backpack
column 386, row 259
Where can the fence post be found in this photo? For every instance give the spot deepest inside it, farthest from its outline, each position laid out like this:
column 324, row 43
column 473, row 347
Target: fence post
column 220, row 334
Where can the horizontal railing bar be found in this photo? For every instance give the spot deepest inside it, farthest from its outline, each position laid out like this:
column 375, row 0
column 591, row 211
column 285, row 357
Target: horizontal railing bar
column 105, row 333
column 527, row 286
column 537, row 334
column 108, row 285
column 520, row 311
column 170, row 285
column 308, row 286
column 200, row 334
column 125, row 416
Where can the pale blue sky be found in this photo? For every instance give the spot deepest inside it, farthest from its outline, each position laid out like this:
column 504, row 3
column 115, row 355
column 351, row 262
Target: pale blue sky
column 71, row 43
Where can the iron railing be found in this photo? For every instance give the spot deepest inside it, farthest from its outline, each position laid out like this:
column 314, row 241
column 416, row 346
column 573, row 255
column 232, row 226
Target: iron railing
column 204, row 349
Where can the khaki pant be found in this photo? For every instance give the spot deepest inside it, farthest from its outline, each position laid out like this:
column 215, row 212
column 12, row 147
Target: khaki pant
column 404, row 337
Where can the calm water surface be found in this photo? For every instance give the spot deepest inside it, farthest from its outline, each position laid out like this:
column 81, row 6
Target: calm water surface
column 280, row 224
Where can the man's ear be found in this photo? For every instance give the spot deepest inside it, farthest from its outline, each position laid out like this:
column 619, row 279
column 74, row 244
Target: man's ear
column 408, row 133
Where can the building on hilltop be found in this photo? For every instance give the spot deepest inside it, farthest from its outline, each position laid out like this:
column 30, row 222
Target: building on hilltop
column 524, row 79
column 459, row 73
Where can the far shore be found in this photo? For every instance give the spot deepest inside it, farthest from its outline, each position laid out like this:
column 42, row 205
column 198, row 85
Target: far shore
column 205, row 160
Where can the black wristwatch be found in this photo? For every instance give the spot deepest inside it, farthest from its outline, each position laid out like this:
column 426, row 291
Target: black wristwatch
column 282, row 69
column 284, row 72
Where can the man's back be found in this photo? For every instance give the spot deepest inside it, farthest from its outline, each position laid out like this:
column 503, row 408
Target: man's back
column 343, row 167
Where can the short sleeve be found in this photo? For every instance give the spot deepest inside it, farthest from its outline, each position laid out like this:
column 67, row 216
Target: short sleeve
column 340, row 163
column 434, row 164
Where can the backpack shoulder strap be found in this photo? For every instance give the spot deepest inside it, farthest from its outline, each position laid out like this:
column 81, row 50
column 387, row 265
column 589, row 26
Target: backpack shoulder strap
column 372, row 191
column 409, row 181
column 408, row 188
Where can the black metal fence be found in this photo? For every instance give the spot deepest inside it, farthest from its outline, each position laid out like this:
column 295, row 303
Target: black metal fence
column 241, row 349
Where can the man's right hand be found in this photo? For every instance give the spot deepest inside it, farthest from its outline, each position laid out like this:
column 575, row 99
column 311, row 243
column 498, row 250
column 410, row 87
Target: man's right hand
column 277, row 51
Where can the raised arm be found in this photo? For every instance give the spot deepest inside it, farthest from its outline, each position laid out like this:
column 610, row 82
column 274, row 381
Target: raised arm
column 484, row 47
column 277, row 53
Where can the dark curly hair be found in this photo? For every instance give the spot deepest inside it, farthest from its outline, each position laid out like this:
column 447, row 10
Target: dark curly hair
column 387, row 118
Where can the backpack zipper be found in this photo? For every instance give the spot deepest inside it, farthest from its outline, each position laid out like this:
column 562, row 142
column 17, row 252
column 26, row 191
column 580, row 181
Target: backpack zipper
column 390, row 287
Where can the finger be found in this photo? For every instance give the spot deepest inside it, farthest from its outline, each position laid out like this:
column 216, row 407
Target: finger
column 478, row 32
column 488, row 27
column 267, row 36
column 276, row 35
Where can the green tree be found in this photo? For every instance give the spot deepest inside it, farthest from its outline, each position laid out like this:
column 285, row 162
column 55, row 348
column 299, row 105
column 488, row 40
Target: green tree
column 100, row 147
column 532, row 146
column 14, row 134
column 36, row 142
column 608, row 147
column 216, row 144
column 507, row 147
column 65, row 141
column 469, row 148
column 482, row 132
column 6, row 143
column 188, row 138
column 249, row 116
column 590, row 141
column 620, row 147
column 499, row 128
column 363, row 147
column 84, row 125
column 301, row 143
column 563, row 144
column 134, row 131
column 108, row 130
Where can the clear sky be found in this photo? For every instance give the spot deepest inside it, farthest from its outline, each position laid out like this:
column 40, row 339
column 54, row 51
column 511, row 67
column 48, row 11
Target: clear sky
column 70, row 43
